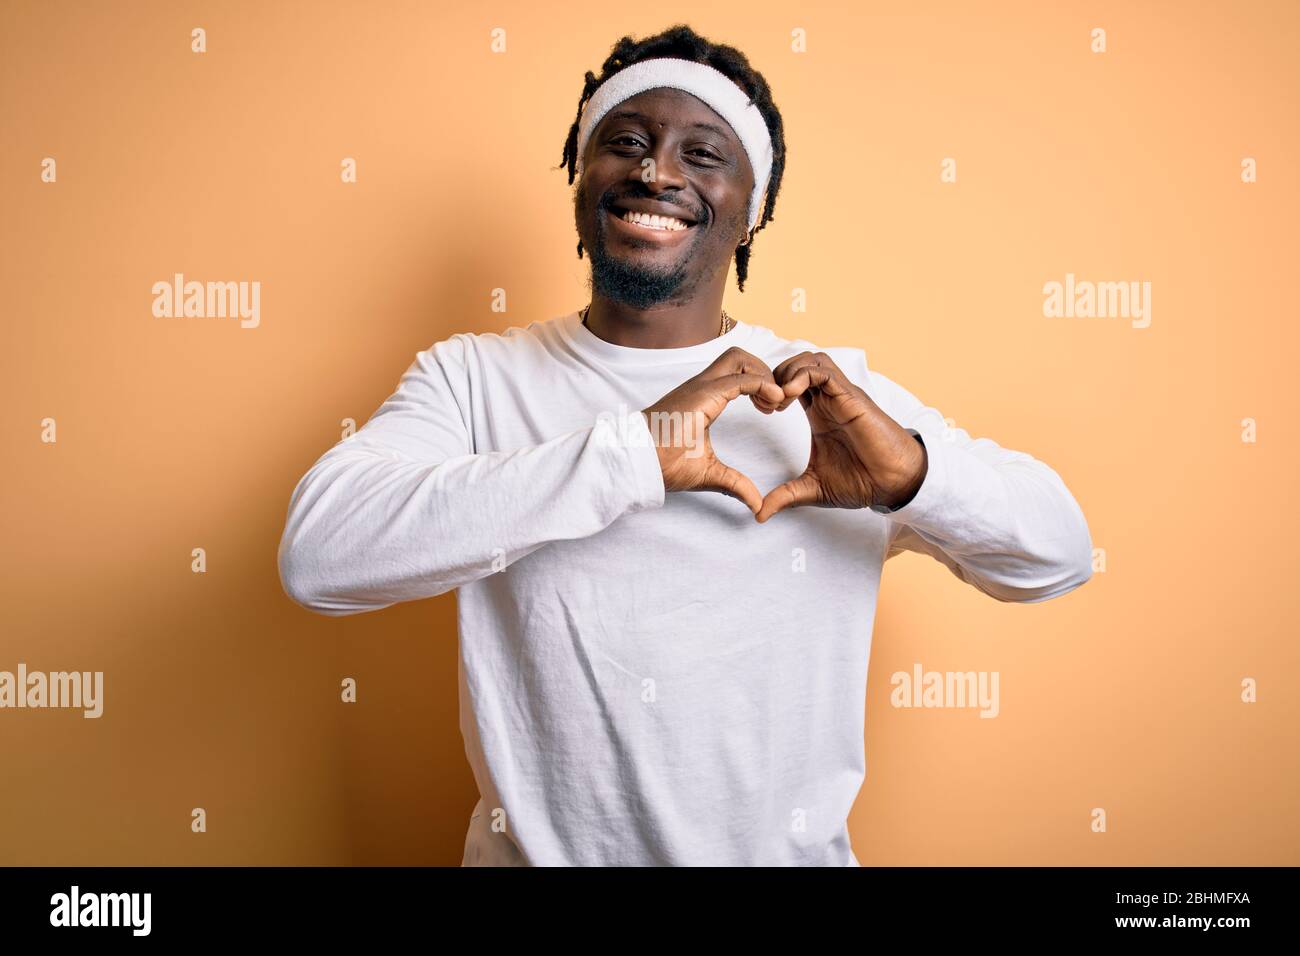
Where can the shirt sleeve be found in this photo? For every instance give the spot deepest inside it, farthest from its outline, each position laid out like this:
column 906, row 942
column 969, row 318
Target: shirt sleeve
column 1000, row 520
column 404, row 509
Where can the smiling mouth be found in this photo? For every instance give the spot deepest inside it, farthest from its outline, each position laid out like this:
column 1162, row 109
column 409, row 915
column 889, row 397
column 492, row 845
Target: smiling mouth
column 651, row 223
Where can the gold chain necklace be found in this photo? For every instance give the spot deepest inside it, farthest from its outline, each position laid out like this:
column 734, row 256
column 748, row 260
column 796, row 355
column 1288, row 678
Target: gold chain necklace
column 727, row 321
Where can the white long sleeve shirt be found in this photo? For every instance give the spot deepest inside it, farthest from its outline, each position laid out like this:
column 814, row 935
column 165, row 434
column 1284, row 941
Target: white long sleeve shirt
column 649, row 678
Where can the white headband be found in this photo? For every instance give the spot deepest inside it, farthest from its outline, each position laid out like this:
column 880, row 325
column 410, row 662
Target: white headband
column 702, row 81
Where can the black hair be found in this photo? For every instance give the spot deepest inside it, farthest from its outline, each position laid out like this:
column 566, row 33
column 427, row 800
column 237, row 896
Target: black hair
column 684, row 43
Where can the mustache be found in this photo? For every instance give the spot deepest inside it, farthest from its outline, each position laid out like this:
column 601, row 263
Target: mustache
column 693, row 215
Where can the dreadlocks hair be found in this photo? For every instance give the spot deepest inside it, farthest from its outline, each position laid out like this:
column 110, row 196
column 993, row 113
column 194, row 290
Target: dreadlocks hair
column 682, row 42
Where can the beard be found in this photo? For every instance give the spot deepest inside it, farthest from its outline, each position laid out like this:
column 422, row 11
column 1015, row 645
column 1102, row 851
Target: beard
column 631, row 283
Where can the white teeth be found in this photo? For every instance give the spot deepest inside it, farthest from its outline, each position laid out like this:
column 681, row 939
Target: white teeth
column 654, row 222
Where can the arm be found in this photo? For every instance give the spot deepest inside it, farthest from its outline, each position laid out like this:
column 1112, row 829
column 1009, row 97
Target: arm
column 404, row 509
column 999, row 519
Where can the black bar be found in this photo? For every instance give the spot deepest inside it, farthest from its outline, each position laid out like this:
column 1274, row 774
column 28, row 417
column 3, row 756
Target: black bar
column 331, row 904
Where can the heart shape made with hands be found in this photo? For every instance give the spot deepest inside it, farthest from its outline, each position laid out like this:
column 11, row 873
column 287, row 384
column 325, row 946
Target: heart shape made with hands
column 858, row 455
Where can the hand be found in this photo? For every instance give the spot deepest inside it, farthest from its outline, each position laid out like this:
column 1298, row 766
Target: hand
column 679, row 423
column 860, row 456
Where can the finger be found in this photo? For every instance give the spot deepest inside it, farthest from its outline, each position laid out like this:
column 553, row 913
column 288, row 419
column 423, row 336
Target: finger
column 727, row 480
column 829, row 379
column 780, row 372
column 785, row 372
column 798, row 381
column 791, row 366
column 804, row 378
column 737, row 360
column 751, row 383
column 804, row 490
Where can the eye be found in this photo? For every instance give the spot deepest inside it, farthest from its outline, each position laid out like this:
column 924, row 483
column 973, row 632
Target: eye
column 633, row 141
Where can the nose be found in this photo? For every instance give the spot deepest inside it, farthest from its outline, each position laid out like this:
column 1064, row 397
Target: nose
column 666, row 173
column 665, row 177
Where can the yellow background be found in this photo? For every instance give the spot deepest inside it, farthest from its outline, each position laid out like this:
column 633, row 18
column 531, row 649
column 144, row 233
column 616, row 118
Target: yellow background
column 182, row 433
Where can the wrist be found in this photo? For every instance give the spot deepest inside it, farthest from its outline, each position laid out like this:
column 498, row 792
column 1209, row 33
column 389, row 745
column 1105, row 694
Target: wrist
column 906, row 488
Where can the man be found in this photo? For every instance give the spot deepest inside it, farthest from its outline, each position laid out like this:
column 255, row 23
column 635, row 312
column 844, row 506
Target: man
column 647, row 676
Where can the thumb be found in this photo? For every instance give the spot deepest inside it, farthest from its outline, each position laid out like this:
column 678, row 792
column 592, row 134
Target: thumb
column 804, row 490
column 724, row 478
